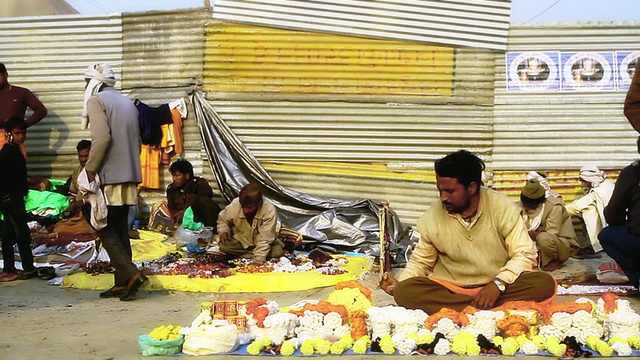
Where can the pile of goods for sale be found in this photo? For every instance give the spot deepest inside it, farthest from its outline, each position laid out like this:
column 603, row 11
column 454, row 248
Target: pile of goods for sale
column 347, row 323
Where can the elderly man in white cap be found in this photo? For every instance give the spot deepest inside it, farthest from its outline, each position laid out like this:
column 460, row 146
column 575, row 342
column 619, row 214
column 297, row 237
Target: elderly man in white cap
column 549, row 226
column 591, row 206
column 114, row 165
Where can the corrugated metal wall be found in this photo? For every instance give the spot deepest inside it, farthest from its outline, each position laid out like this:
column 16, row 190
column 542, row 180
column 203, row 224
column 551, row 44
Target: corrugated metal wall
column 563, row 130
column 157, row 55
column 469, row 23
column 338, row 139
column 163, row 55
column 48, row 55
column 557, row 132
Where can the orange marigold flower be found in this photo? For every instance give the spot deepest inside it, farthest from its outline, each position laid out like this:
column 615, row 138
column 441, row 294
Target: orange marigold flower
column 513, row 325
column 610, row 302
column 455, row 316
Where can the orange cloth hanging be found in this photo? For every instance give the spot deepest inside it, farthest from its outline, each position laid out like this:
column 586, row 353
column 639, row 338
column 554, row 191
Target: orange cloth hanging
column 150, row 165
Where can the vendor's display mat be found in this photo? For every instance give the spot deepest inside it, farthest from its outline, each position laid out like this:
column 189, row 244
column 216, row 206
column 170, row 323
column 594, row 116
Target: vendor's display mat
column 257, row 282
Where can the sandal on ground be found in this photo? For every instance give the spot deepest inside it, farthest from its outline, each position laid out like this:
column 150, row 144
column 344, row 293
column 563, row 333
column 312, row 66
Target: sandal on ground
column 26, row 275
column 46, row 273
column 586, row 253
column 12, row 276
column 115, row 291
column 134, row 285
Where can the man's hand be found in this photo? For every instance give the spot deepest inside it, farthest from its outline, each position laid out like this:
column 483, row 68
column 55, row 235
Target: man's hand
column 533, row 234
column 224, row 237
column 176, row 218
column 388, row 283
column 487, row 296
column 257, row 261
column 91, row 176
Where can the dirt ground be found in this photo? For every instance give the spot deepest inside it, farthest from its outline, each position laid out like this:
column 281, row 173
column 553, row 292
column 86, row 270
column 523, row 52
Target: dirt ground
column 42, row 321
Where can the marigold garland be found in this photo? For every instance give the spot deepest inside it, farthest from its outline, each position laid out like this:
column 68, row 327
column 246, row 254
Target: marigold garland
column 323, row 307
column 513, row 325
column 455, row 316
column 610, row 304
column 358, row 324
column 259, row 312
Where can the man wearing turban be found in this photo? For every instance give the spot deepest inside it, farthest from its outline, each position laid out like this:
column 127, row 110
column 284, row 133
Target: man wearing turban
column 549, row 226
column 591, row 206
column 114, row 168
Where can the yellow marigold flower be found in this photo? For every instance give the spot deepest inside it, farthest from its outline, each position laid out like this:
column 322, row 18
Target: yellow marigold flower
column 497, row 340
column 634, row 341
column 254, row 348
column 323, row 347
column 360, row 347
column 306, row 348
column 287, row 348
column 510, row 346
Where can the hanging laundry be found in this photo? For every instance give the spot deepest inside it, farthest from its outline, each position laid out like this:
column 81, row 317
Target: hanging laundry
column 151, row 119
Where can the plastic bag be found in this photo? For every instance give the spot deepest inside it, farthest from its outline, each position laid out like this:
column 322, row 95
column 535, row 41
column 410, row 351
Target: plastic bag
column 210, row 339
column 188, row 221
column 150, row 346
column 185, row 236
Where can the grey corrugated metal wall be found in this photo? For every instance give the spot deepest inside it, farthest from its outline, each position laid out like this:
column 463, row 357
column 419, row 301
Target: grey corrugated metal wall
column 563, row 130
column 163, row 56
column 49, row 54
column 157, row 55
column 556, row 132
column 338, row 141
column 469, row 23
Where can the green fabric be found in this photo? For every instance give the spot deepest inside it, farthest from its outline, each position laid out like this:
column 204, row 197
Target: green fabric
column 41, row 201
column 56, row 182
column 188, row 222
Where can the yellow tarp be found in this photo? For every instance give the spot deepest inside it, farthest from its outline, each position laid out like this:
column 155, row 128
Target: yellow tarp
column 148, row 250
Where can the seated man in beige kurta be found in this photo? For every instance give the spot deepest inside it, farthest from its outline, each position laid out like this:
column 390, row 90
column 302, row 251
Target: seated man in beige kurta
column 473, row 248
column 549, row 225
column 247, row 227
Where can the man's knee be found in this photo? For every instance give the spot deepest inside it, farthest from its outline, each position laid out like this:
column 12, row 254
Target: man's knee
column 546, row 240
column 404, row 292
column 608, row 235
column 546, row 286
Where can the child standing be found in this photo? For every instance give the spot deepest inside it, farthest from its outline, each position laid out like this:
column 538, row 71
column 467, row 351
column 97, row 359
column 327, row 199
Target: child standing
column 13, row 189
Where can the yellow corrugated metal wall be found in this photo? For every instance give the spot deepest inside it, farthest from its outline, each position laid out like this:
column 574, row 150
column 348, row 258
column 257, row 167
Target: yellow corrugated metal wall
column 348, row 117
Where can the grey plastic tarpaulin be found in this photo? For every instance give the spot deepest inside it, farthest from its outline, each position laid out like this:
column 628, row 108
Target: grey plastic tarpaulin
column 330, row 221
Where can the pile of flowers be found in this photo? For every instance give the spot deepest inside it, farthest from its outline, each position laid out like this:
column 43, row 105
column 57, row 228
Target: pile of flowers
column 347, row 322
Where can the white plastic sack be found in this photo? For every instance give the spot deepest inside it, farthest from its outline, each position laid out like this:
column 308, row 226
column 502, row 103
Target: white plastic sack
column 210, row 339
column 185, row 236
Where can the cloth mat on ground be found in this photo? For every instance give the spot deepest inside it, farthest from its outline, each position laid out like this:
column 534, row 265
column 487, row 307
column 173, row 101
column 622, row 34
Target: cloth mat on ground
column 259, row 282
column 151, row 249
column 588, row 288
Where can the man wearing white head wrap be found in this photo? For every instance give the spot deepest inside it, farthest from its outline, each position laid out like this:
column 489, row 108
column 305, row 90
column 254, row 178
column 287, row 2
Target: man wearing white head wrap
column 114, row 160
column 591, row 206
column 97, row 75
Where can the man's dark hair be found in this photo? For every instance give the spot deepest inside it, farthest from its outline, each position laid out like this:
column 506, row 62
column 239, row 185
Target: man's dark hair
column 462, row 165
column 13, row 123
column 3, row 69
column 250, row 194
column 183, row 166
column 83, row 144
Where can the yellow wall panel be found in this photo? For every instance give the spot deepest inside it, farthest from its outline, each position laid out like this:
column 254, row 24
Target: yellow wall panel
column 250, row 59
